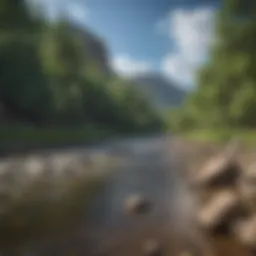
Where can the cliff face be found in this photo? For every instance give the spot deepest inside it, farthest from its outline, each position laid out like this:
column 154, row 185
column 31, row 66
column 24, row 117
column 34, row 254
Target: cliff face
column 160, row 91
column 96, row 49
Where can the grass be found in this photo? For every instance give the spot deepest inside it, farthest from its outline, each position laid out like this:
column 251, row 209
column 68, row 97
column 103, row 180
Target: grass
column 248, row 137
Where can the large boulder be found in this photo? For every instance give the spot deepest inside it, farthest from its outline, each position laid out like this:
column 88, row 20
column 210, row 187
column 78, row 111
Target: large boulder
column 221, row 171
column 218, row 214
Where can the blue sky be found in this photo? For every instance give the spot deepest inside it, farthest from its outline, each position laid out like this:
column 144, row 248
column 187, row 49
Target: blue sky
column 168, row 36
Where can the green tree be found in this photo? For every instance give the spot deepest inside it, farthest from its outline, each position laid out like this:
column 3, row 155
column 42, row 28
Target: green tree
column 226, row 92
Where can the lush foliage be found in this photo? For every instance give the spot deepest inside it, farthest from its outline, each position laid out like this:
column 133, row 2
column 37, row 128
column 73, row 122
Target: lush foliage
column 54, row 73
column 226, row 93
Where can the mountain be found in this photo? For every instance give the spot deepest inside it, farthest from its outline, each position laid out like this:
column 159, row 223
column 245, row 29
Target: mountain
column 159, row 90
column 96, row 48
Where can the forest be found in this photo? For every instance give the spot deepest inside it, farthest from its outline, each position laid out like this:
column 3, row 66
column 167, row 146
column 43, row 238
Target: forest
column 56, row 83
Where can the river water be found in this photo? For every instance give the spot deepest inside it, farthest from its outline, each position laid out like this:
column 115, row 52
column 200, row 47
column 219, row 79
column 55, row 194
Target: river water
column 148, row 167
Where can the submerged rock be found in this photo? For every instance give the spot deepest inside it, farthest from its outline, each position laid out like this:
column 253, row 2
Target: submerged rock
column 136, row 204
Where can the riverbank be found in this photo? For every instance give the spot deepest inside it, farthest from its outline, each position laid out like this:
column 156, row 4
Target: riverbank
column 11, row 133
column 195, row 156
column 24, row 139
column 195, row 152
column 247, row 137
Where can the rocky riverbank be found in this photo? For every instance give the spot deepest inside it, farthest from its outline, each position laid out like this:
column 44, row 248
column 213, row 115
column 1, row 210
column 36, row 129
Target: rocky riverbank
column 223, row 179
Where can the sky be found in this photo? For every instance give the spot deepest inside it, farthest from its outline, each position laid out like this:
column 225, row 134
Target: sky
column 171, row 37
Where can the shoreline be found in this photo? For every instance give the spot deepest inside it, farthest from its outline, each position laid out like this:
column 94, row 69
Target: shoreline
column 23, row 149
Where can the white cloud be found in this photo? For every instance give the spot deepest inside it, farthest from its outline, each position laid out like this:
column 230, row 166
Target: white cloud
column 125, row 65
column 75, row 9
column 77, row 12
column 192, row 31
column 179, row 69
column 51, row 7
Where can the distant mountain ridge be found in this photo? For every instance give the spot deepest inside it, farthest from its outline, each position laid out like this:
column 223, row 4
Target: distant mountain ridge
column 159, row 90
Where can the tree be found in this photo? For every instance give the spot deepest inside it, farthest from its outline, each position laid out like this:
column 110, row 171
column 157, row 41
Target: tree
column 226, row 92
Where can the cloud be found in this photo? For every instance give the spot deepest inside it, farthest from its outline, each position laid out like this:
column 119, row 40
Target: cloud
column 52, row 8
column 179, row 69
column 125, row 65
column 192, row 32
column 75, row 9
column 78, row 12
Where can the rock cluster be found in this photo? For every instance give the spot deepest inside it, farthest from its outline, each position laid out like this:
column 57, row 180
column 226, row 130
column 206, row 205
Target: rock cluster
column 227, row 196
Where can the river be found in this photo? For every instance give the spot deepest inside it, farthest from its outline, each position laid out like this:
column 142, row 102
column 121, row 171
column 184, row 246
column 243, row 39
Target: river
column 151, row 168
column 146, row 169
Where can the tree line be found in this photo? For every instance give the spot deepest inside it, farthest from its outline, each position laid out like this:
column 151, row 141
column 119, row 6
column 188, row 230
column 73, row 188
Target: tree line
column 48, row 76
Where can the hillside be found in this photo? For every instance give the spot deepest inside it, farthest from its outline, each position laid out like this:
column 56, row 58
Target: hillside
column 61, row 80
column 160, row 91
column 96, row 48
